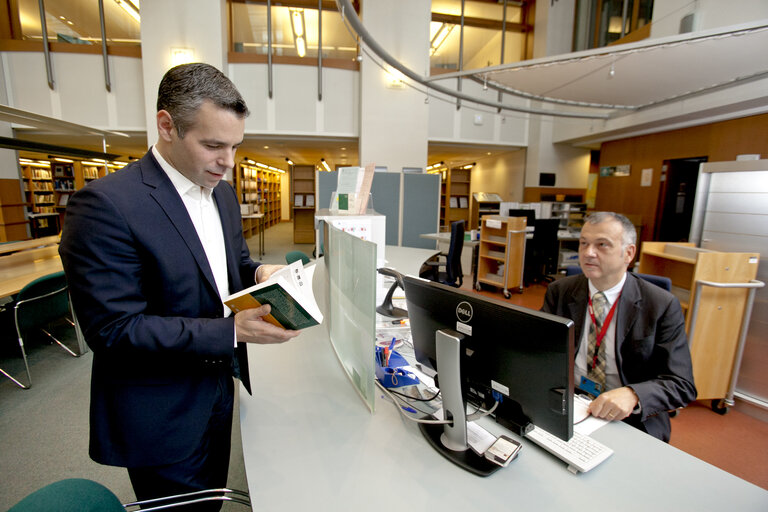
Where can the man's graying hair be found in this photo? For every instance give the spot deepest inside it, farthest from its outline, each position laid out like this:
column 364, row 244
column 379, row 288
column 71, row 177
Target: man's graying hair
column 184, row 88
column 629, row 234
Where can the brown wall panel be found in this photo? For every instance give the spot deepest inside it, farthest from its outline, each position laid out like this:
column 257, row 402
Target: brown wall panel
column 721, row 141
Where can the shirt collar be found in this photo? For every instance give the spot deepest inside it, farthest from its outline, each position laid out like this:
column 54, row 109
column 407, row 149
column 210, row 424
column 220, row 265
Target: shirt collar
column 181, row 183
column 611, row 294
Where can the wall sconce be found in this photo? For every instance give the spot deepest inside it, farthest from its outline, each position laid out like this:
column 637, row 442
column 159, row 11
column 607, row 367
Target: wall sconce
column 299, row 34
column 394, row 78
column 182, row 56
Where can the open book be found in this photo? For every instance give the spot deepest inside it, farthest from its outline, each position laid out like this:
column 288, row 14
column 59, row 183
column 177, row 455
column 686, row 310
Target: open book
column 289, row 292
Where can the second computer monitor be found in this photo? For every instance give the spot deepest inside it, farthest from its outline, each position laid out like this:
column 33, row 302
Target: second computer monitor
column 523, row 355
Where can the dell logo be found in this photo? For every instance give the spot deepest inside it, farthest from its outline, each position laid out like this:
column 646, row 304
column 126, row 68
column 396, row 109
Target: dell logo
column 464, row 312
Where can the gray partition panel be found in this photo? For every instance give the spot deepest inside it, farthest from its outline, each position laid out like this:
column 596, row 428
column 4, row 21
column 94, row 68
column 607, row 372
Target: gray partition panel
column 385, row 191
column 421, row 208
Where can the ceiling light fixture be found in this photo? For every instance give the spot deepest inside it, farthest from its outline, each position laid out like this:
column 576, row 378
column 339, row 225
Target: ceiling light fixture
column 131, row 7
column 440, row 36
column 299, row 36
column 290, row 162
column 325, row 164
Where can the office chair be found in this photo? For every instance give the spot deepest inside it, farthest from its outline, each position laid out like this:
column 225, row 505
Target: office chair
column 453, row 274
column 296, row 256
column 545, row 251
column 81, row 495
column 39, row 303
column 662, row 282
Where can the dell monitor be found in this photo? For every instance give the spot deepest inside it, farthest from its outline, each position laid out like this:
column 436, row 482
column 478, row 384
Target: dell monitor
column 485, row 350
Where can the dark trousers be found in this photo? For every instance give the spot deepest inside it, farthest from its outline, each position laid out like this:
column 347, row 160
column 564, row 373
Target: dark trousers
column 205, row 468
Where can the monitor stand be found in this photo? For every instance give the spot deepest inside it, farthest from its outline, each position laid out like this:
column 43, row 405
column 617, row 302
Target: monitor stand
column 451, row 439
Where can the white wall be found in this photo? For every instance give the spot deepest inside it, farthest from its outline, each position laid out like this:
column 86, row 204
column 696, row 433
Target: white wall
column 503, row 174
column 200, row 25
column 708, row 14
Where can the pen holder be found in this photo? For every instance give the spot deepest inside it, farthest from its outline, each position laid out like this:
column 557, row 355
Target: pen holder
column 392, row 375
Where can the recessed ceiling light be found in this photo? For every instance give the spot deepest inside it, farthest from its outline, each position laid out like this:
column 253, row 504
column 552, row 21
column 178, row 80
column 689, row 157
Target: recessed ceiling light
column 266, row 147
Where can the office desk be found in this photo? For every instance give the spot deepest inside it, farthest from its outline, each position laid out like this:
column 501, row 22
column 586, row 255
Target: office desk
column 309, row 443
column 23, row 245
column 23, row 267
column 20, row 268
column 260, row 217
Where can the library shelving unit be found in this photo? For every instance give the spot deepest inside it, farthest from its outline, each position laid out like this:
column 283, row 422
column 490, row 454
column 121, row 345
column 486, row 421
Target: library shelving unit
column 260, row 188
column 502, row 253
column 483, row 203
column 454, row 197
column 303, row 202
column 715, row 290
column 40, row 198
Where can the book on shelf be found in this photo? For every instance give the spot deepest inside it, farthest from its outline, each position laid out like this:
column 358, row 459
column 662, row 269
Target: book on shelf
column 298, row 200
column 463, row 203
column 454, row 202
column 289, row 293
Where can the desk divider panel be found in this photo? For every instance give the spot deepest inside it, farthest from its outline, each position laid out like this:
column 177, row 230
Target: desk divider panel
column 421, row 208
column 351, row 314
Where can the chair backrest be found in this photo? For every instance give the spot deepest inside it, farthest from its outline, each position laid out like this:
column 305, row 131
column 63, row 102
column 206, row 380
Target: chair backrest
column 660, row 281
column 70, row 495
column 43, row 300
column 546, row 246
column 296, row 256
column 453, row 265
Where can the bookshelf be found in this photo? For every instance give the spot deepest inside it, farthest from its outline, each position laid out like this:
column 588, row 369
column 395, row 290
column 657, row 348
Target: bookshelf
column 502, row 253
column 258, row 189
column 303, row 203
column 454, row 197
column 13, row 223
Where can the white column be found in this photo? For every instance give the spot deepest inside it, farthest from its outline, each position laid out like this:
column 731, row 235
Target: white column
column 394, row 120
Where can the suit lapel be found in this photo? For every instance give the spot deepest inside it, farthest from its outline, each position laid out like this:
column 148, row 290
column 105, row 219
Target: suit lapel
column 627, row 310
column 168, row 198
column 577, row 306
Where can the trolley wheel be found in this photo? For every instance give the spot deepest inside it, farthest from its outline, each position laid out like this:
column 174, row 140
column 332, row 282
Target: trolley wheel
column 507, row 294
column 673, row 413
column 478, row 287
column 718, row 405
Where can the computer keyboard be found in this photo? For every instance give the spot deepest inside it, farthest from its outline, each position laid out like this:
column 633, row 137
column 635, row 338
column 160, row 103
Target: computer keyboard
column 581, row 453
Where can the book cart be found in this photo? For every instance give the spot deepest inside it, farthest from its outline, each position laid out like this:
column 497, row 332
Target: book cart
column 502, row 253
column 716, row 290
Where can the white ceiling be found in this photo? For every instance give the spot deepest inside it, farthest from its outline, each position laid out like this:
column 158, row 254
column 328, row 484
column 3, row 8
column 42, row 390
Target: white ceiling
column 646, row 72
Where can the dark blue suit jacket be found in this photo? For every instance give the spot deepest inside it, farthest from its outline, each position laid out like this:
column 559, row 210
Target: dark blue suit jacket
column 147, row 302
column 652, row 352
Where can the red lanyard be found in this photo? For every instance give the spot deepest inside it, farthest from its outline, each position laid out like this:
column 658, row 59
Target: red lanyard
column 603, row 329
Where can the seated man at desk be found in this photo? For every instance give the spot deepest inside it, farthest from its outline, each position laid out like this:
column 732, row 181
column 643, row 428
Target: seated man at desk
column 633, row 355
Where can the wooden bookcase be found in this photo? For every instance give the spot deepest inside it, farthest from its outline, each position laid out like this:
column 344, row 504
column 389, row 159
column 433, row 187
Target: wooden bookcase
column 259, row 188
column 454, row 197
column 303, row 203
column 501, row 253
column 719, row 311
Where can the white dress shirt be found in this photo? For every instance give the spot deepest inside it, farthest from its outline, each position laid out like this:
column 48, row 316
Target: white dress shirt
column 612, row 380
column 204, row 214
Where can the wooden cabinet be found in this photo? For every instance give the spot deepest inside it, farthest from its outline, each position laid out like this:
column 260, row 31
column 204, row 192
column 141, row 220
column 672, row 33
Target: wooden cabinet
column 303, row 203
column 502, row 253
column 259, row 190
column 713, row 321
column 13, row 222
column 454, row 197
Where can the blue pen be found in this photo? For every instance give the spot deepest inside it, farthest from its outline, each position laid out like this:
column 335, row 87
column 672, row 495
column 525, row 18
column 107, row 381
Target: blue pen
column 391, row 348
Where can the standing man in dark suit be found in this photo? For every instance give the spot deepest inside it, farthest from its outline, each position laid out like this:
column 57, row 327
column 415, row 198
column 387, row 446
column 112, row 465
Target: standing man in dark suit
column 149, row 252
column 633, row 354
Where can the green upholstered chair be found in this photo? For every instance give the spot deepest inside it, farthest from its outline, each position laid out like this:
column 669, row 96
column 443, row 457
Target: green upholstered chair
column 296, row 256
column 80, row 495
column 71, row 495
column 39, row 303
